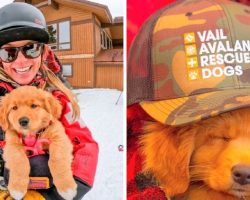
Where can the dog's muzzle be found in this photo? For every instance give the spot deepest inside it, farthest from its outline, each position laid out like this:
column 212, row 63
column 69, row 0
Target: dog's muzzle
column 241, row 174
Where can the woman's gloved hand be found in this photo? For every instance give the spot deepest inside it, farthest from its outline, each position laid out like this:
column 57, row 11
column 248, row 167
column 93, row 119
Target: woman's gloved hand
column 30, row 195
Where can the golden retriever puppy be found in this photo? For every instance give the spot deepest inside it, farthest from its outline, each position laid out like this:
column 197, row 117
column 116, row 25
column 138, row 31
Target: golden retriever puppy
column 207, row 160
column 28, row 111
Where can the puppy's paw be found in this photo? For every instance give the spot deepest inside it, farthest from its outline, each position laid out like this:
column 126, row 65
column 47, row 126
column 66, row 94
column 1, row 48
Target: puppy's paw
column 17, row 195
column 69, row 194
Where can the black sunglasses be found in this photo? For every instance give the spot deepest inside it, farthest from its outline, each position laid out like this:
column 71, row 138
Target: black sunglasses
column 30, row 51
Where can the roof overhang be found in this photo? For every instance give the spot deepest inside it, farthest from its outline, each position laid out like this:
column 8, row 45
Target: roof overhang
column 44, row 3
column 100, row 10
column 116, row 28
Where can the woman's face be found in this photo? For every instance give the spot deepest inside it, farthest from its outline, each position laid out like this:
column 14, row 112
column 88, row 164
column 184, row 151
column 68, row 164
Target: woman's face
column 22, row 70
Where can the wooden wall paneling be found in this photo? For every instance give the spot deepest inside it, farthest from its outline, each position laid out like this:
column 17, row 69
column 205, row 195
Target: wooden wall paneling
column 109, row 76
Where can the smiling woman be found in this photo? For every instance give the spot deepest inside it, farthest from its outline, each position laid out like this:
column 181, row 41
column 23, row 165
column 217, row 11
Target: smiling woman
column 26, row 59
column 23, row 69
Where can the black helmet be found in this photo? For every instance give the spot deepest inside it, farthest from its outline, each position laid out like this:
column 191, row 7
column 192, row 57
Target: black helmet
column 22, row 21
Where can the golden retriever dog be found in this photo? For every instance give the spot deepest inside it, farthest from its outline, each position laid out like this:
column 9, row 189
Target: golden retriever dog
column 28, row 111
column 206, row 160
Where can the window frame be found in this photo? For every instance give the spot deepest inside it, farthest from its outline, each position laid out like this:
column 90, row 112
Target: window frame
column 57, row 44
column 106, row 41
column 71, row 66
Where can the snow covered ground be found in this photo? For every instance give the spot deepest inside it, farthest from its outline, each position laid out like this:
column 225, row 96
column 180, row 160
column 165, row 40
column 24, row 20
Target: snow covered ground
column 102, row 111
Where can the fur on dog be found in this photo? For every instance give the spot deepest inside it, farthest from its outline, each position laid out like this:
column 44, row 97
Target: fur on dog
column 26, row 111
column 208, row 160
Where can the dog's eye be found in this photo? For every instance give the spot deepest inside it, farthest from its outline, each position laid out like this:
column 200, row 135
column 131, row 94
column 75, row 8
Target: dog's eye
column 223, row 138
column 14, row 108
column 226, row 139
column 33, row 105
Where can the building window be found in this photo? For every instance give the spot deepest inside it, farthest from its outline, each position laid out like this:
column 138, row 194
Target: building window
column 59, row 35
column 110, row 44
column 67, row 69
column 52, row 30
column 102, row 39
column 106, row 42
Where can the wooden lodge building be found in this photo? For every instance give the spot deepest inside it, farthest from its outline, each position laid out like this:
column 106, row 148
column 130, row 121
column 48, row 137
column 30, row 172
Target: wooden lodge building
column 87, row 40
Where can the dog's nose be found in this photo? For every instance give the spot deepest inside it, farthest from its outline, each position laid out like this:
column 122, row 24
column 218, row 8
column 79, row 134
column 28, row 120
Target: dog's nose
column 23, row 121
column 241, row 174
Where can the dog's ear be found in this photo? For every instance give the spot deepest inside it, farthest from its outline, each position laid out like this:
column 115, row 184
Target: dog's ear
column 166, row 152
column 4, row 123
column 53, row 106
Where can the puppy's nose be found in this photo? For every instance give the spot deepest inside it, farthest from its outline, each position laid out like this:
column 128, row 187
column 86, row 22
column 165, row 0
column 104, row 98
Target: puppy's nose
column 23, row 121
column 241, row 174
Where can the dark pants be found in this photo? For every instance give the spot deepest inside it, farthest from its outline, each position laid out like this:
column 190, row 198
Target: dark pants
column 39, row 168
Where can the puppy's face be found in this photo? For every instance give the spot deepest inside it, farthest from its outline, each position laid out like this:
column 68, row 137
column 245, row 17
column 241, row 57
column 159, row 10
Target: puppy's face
column 213, row 153
column 28, row 110
column 221, row 156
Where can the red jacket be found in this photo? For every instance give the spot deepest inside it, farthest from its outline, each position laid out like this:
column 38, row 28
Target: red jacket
column 85, row 148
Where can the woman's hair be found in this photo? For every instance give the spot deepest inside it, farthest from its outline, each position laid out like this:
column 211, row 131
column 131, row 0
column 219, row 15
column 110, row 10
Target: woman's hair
column 52, row 81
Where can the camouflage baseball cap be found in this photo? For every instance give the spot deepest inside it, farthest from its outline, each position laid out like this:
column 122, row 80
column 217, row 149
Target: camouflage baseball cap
column 191, row 61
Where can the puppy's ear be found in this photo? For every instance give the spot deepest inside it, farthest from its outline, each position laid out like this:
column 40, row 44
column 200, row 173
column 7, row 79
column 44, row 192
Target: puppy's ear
column 167, row 153
column 4, row 123
column 53, row 106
